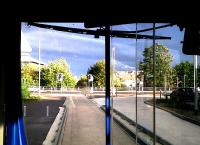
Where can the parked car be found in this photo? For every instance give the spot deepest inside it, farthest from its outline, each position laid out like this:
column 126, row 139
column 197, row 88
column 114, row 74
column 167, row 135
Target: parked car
column 183, row 95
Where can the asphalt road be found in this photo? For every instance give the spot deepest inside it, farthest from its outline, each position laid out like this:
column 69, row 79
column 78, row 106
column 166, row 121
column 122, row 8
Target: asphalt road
column 37, row 124
column 168, row 126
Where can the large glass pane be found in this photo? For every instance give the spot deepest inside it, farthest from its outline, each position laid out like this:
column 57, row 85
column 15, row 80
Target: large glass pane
column 145, row 93
column 130, row 94
column 64, row 71
column 56, row 88
column 123, row 80
column 176, row 117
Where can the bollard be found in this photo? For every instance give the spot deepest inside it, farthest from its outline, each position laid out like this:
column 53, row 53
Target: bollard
column 24, row 111
column 47, row 111
column 160, row 93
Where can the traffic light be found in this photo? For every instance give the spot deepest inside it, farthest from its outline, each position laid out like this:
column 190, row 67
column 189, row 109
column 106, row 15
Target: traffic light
column 191, row 42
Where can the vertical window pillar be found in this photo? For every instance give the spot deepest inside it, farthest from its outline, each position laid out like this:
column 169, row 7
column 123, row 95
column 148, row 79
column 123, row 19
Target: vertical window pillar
column 107, row 97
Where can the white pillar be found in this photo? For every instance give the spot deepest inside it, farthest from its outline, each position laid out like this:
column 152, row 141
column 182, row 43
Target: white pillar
column 39, row 65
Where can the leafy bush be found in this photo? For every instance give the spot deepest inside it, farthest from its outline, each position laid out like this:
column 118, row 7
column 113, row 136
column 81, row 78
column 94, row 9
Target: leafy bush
column 26, row 96
column 25, row 91
column 31, row 98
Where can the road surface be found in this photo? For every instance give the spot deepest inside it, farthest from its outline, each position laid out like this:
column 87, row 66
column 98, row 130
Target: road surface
column 171, row 128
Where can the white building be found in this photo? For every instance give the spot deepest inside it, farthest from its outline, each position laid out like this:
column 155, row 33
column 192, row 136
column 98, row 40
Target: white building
column 26, row 52
column 128, row 78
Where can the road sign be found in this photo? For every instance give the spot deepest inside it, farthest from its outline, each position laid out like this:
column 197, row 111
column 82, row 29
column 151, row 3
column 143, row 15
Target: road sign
column 59, row 77
column 90, row 78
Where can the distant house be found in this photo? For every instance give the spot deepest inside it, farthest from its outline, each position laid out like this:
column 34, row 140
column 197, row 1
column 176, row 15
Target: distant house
column 26, row 52
column 128, row 77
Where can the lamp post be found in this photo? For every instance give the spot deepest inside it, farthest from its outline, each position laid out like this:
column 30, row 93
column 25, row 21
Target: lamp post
column 165, row 79
column 39, row 65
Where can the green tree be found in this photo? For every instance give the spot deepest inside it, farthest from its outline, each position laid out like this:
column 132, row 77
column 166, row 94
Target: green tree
column 98, row 72
column 50, row 71
column 117, row 82
column 25, row 91
column 186, row 68
column 82, row 83
column 163, row 67
column 29, row 74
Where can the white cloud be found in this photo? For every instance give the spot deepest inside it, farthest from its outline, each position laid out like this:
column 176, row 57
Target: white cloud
column 121, row 66
column 65, row 42
column 69, row 42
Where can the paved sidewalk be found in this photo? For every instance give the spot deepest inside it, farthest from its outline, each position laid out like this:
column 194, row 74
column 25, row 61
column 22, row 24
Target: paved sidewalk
column 86, row 125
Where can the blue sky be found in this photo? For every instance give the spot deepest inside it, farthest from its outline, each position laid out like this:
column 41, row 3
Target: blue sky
column 82, row 51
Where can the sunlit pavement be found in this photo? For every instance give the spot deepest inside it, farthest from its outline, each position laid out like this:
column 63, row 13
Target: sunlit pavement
column 85, row 124
column 173, row 129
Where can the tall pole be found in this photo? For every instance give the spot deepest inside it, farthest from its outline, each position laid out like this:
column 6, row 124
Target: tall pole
column 195, row 85
column 136, row 111
column 154, row 87
column 165, row 79
column 113, row 85
column 39, row 63
column 107, row 97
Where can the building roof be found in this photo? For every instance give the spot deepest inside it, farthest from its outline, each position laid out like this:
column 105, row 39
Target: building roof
column 28, row 59
column 26, row 50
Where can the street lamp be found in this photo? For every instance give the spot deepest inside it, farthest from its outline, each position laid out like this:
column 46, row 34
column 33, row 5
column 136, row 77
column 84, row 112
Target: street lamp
column 39, row 63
